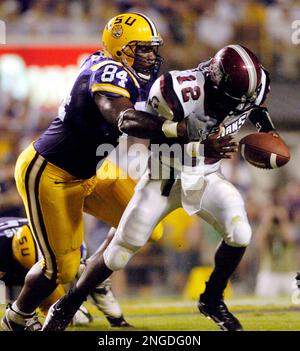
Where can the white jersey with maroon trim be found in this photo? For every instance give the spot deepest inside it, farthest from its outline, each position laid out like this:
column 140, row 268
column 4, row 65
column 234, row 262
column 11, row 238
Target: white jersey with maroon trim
column 204, row 192
column 177, row 94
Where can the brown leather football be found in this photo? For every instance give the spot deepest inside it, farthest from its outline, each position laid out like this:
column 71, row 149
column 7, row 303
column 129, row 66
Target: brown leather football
column 264, row 150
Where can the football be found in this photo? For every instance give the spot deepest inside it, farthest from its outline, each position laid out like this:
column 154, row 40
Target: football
column 264, row 150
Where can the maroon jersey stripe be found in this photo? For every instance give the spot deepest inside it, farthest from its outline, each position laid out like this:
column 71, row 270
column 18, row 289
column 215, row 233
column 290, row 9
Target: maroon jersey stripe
column 168, row 93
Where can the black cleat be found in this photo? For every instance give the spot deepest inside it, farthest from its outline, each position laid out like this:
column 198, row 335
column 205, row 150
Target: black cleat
column 219, row 313
column 104, row 299
column 59, row 316
column 119, row 322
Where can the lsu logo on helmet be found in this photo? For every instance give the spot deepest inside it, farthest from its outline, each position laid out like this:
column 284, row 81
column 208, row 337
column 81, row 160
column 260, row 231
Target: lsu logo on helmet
column 117, row 31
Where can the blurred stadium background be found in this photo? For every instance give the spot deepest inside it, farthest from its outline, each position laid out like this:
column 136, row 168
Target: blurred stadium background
column 46, row 41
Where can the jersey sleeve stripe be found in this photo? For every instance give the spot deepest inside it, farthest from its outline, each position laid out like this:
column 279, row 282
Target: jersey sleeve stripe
column 133, row 77
column 110, row 89
column 169, row 94
column 95, row 67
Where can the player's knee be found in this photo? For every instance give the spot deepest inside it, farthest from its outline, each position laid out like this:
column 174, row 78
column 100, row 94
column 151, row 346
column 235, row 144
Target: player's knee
column 242, row 234
column 239, row 234
column 68, row 266
column 117, row 254
column 137, row 230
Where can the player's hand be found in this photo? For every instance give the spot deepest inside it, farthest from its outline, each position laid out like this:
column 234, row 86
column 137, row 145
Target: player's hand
column 198, row 126
column 216, row 146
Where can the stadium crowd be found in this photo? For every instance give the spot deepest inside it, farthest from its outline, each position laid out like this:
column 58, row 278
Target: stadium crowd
column 194, row 29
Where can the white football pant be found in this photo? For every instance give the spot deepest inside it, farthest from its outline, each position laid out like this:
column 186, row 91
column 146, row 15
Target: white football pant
column 218, row 202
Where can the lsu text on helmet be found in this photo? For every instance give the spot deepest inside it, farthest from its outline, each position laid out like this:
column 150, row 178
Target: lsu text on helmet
column 24, row 248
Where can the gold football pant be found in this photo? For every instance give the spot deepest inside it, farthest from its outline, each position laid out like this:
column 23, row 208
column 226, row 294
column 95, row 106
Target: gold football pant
column 55, row 201
column 25, row 252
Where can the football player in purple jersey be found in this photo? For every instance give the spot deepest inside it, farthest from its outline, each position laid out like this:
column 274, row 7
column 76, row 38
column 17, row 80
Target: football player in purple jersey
column 56, row 174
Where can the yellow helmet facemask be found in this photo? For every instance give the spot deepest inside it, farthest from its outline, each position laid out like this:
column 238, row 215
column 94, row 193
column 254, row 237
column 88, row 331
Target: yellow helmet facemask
column 133, row 39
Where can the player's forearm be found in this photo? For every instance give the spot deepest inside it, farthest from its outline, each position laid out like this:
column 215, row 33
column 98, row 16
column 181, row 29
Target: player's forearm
column 121, row 113
column 145, row 125
column 260, row 117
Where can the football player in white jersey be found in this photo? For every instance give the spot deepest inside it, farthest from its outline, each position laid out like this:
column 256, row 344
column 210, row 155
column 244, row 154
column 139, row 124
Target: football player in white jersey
column 229, row 88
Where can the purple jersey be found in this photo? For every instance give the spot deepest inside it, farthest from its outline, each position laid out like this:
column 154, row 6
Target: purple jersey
column 71, row 140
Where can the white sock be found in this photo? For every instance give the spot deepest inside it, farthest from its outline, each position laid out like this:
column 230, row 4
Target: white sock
column 17, row 310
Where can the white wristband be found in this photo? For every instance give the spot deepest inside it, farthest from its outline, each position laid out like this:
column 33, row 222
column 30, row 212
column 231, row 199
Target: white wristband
column 169, row 129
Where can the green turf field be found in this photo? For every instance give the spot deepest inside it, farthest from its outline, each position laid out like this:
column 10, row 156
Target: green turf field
column 174, row 314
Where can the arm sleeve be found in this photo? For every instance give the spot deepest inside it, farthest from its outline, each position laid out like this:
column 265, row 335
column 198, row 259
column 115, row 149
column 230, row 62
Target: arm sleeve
column 260, row 117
